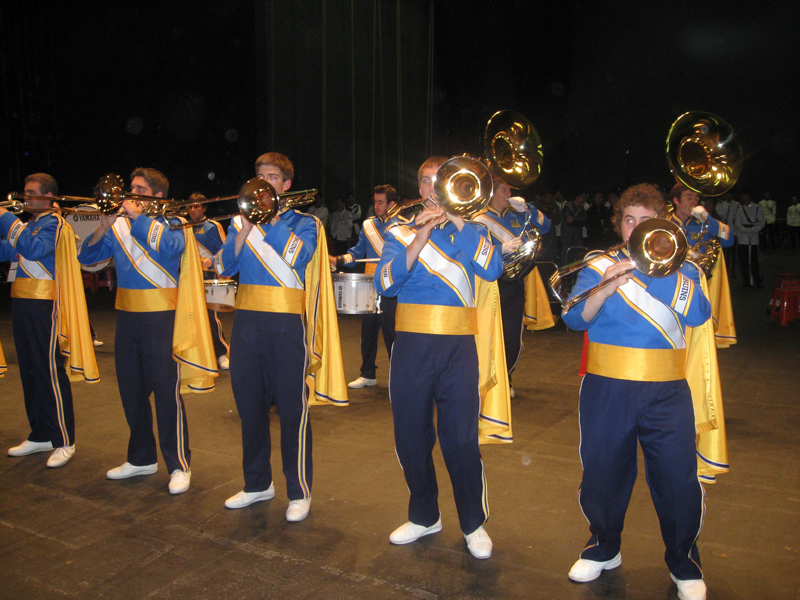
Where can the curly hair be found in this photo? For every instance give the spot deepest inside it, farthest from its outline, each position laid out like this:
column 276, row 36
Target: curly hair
column 642, row 194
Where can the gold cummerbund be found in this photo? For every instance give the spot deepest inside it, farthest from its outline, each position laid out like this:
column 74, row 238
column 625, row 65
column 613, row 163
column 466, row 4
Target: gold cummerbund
column 268, row 298
column 34, row 289
column 636, row 364
column 436, row 319
column 154, row 300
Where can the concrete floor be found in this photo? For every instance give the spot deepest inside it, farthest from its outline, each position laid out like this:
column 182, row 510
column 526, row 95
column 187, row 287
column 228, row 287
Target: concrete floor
column 70, row 533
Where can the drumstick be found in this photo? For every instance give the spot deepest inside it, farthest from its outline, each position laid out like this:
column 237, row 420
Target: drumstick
column 367, row 260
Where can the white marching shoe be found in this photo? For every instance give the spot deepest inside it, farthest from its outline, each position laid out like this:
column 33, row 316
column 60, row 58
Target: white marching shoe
column 362, row 382
column 28, row 447
column 479, row 543
column 410, row 532
column 61, row 456
column 588, row 570
column 243, row 498
column 179, row 481
column 690, row 589
column 298, row 510
column 126, row 470
column 223, row 363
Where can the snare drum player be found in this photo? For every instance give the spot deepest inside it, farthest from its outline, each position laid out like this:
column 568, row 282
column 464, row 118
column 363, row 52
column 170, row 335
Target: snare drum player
column 210, row 237
column 270, row 353
column 50, row 322
column 432, row 271
column 635, row 389
column 147, row 255
column 370, row 246
column 505, row 218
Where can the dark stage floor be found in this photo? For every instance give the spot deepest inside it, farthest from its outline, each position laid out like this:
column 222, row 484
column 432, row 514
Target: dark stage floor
column 70, row 533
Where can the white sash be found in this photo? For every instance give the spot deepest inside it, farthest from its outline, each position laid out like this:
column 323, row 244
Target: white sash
column 271, row 260
column 441, row 265
column 140, row 260
column 497, row 230
column 34, row 269
column 661, row 316
column 373, row 236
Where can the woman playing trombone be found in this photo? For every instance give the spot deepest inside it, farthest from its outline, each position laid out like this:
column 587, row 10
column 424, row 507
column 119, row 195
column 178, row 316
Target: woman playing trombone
column 635, row 390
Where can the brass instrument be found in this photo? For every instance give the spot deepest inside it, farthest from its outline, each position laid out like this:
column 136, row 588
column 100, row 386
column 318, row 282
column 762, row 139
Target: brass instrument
column 462, row 185
column 257, row 200
column 657, row 248
column 703, row 153
column 13, row 205
column 513, row 151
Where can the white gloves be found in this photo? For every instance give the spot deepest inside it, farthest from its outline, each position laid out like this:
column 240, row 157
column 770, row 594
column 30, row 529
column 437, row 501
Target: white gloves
column 518, row 204
column 699, row 212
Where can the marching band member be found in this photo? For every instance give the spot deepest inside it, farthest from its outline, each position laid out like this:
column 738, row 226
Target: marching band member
column 281, row 291
column 370, row 245
column 433, row 271
column 210, row 237
column 689, row 216
column 635, row 389
column 148, row 350
column 505, row 219
column 50, row 321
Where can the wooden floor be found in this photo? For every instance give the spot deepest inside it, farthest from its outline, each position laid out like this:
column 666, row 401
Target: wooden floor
column 70, row 533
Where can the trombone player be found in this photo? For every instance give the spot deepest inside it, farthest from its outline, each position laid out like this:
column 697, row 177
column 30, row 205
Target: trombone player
column 47, row 282
column 432, row 270
column 635, row 389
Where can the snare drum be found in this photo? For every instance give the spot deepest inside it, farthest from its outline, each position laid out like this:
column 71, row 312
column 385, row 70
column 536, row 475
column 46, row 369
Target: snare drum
column 220, row 295
column 354, row 293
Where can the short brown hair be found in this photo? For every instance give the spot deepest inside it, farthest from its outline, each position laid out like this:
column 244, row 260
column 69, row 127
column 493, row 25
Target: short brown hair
column 46, row 182
column 643, row 194
column 677, row 191
column 391, row 193
column 432, row 162
column 276, row 159
column 154, row 178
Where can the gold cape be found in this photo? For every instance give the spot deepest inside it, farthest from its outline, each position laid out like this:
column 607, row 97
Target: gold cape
column 192, row 345
column 719, row 295
column 538, row 314
column 3, row 365
column 494, row 422
column 74, row 332
column 702, row 373
column 325, row 373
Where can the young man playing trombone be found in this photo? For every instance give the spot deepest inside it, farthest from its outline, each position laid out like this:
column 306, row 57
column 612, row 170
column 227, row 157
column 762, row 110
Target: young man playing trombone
column 635, row 389
column 432, row 270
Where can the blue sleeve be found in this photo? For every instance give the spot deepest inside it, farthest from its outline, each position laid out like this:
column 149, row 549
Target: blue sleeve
column 102, row 250
column 33, row 246
column 226, row 263
column 392, row 273
column 722, row 232
column 357, row 251
column 7, row 251
column 158, row 236
column 486, row 261
column 539, row 219
column 682, row 292
column 295, row 247
column 587, row 279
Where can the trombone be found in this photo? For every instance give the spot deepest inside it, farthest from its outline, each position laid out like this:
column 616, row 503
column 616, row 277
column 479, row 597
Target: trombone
column 657, row 248
column 257, row 200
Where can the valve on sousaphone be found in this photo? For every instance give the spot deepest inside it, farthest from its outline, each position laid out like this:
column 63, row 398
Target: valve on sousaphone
column 703, row 153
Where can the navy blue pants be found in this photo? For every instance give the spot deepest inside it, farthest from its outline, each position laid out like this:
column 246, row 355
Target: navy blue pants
column 512, row 304
column 45, row 384
column 144, row 364
column 441, row 371
column 370, row 326
column 268, row 366
column 614, row 414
